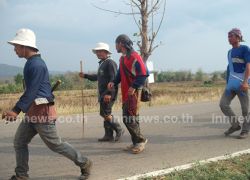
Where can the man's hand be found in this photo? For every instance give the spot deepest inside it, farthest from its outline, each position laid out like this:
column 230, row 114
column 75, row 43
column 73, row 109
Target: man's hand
column 81, row 74
column 9, row 116
column 4, row 115
column 107, row 98
column 131, row 91
column 244, row 86
column 110, row 86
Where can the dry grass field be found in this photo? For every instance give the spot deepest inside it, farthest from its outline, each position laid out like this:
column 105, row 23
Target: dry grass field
column 70, row 102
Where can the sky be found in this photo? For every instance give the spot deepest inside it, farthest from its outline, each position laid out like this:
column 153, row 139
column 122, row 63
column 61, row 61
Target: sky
column 193, row 34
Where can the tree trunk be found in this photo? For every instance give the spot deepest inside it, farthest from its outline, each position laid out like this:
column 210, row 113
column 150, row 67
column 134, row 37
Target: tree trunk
column 144, row 32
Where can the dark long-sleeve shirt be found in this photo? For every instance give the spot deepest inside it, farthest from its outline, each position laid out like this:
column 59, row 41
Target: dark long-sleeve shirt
column 36, row 77
column 106, row 73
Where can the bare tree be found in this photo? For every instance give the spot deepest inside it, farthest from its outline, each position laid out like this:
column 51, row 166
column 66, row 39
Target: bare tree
column 144, row 13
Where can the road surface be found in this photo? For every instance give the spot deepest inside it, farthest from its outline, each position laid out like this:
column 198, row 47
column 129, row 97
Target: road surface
column 177, row 134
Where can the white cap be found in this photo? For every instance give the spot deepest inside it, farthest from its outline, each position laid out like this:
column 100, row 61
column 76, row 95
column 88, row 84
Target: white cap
column 101, row 46
column 25, row 37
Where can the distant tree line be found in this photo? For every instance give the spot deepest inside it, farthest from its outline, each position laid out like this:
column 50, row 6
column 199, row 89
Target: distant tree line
column 71, row 80
column 177, row 76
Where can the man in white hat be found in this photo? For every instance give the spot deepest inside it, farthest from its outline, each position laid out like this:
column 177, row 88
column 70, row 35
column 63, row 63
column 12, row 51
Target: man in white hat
column 106, row 73
column 38, row 103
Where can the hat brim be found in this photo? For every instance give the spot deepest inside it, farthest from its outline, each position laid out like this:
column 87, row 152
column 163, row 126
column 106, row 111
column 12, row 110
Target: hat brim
column 100, row 49
column 23, row 43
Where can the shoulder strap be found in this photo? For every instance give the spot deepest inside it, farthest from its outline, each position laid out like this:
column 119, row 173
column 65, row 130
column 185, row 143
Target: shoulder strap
column 125, row 69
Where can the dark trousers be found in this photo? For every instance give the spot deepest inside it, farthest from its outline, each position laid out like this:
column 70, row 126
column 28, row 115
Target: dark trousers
column 106, row 108
column 131, row 119
column 225, row 102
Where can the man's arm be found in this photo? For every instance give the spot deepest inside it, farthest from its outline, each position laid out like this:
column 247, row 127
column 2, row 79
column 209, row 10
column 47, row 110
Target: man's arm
column 36, row 76
column 140, row 78
column 112, row 71
column 91, row 77
column 12, row 115
column 227, row 73
column 116, row 81
column 245, row 85
column 141, row 75
column 111, row 92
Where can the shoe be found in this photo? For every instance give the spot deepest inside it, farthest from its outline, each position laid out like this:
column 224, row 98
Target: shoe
column 128, row 148
column 14, row 177
column 231, row 130
column 106, row 139
column 85, row 170
column 117, row 128
column 138, row 148
column 243, row 135
column 108, row 136
column 119, row 134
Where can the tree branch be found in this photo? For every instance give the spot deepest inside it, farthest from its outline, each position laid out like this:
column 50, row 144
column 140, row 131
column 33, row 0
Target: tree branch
column 151, row 48
column 146, row 35
column 115, row 12
column 139, row 45
column 137, row 5
column 154, row 48
column 132, row 9
column 163, row 14
column 154, row 7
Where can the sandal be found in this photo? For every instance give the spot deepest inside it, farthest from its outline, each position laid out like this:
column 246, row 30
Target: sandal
column 139, row 147
column 129, row 148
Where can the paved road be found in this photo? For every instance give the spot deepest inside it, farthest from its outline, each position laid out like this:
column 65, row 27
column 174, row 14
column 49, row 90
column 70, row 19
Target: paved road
column 177, row 134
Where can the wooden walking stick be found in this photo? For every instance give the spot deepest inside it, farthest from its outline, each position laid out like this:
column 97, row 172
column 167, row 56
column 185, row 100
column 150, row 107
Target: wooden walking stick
column 82, row 101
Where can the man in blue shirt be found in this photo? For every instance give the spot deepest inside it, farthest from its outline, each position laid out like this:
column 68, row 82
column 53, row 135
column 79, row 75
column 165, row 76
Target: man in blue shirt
column 238, row 72
column 37, row 102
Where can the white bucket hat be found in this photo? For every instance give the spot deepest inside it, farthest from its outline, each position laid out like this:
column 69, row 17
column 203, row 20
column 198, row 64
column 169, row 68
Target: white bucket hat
column 101, row 46
column 25, row 37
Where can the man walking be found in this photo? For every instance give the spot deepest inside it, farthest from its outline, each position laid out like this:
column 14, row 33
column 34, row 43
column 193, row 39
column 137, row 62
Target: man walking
column 238, row 73
column 38, row 103
column 106, row 73
column 132, row 75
